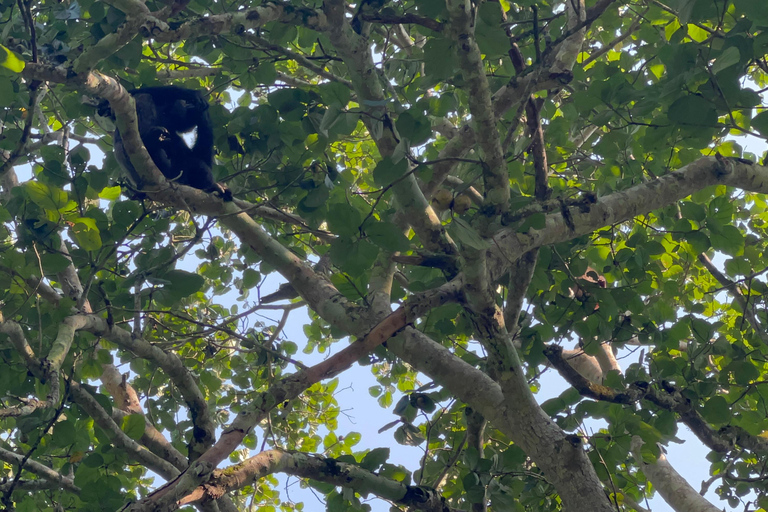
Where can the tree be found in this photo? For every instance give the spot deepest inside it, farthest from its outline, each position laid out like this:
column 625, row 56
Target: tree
column 463, row 196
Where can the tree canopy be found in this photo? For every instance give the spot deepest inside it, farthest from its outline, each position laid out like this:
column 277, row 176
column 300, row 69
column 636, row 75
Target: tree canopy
column 464, row 196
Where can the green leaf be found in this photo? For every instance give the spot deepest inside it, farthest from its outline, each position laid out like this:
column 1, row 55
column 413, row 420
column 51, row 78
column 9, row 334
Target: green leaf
column 87, row 234
column 648, row 433
column 699, row 241
column 334, row 93
column 133, row 425
column 110, row 193
column 716, row 410
column 183, row 283
column 430, row 8
column 54, row 263
column 387, row 236
column 744, row 372
column 64, row 434
column 375, row 458
column 738, row 266
column 760, row 123
column 344, row 220
column 463, row 233
column 353, row 258
column 387, row 172
column 727, row 239
column 124, row 213
column 91, row 369
column 50, row 198
column 693, row 110
column 10, row 61
column 316, row 198
column 264, row 74
column 330, row 118
column 439, row 58
column 251, row 278
column 347, row 287
column 730, row 57
column 414, row 127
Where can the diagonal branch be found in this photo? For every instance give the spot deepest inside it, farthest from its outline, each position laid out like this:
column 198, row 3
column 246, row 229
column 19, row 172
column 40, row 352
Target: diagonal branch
column 675, row 489
column 735, row 291
column 520, row 88
column 204, row 428
column 291, row 387
column 670, row 399
column 40, row 470
column 287, row 388
column 137, row 17
column 43, row 372
column 116, row 435
column 515, row 413
column 481, row 106
column 624, row 205
column 356, row 53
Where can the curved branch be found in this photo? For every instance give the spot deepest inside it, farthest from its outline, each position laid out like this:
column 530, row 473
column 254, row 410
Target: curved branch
column 322, row 469
column 204, row 428
column 356, row 53
column 669, row 399
column 119, row 438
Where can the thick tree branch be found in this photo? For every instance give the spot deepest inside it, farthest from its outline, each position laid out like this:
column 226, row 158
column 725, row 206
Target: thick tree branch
column 59, row 480
column 520, row 276
column 287, row 388
column 204, row 428
column 44, row 372
column 156, row 442
column 292, row 386
column 495, row 173
column 116, row 435
column 356, row 52
column 322, row 469
column 675, row 490
column 627, row 204
column 514, row 93
column 244, row 21
column 515, row 413
column 669, row 399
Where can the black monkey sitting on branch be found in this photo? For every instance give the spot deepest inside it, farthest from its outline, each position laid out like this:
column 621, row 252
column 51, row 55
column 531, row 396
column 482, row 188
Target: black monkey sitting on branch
column 164, row 113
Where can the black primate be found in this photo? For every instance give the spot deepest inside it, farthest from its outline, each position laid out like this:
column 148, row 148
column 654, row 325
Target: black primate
column 164, row 113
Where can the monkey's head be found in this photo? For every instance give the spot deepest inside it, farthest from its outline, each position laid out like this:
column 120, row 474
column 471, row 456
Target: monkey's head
column 185, row 114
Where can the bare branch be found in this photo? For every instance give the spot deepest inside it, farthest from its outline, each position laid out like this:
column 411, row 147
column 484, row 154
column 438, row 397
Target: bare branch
column 318, row 468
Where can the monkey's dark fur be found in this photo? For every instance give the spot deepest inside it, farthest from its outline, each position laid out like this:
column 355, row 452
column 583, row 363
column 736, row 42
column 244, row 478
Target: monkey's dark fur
column 164, row 113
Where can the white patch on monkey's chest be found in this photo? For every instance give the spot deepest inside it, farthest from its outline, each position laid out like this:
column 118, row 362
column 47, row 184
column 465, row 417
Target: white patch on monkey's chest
column 190, row 137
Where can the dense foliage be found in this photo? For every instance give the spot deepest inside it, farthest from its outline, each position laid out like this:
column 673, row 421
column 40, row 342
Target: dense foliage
column 464, row 196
